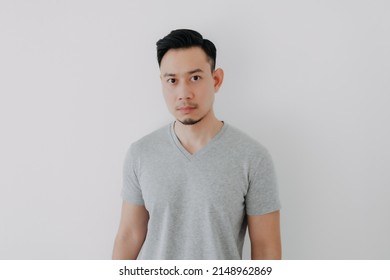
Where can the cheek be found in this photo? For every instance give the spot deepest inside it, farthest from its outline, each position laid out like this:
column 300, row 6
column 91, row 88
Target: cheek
column 169, row 97
column 210, row 95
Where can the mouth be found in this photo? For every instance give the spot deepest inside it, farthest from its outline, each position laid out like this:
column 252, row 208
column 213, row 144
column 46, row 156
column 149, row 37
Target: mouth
column 186, row 109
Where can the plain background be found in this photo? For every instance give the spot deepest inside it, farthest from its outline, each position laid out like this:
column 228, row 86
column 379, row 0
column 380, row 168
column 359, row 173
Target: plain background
column 79, row 82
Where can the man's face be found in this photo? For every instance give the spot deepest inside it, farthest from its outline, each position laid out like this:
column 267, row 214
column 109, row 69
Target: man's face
column 188, row 84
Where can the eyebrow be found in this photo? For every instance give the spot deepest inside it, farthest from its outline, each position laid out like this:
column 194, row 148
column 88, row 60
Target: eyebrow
column 189, row 73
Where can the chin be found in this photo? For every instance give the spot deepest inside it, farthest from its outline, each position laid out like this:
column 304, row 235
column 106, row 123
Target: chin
column 190, row 121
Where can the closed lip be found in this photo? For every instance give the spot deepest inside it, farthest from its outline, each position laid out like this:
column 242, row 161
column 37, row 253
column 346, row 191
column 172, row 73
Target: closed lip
column 186, row 108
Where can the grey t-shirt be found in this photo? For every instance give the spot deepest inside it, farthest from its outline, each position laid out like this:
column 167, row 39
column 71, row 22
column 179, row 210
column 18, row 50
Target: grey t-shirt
column 198, row 203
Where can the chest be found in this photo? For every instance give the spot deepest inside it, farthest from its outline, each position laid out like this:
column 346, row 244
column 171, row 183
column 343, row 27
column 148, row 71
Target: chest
column 198, row 185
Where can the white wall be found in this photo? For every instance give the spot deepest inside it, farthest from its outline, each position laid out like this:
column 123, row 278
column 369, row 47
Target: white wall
column 79, row 82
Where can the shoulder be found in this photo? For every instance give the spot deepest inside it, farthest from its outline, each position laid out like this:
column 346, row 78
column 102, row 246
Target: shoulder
column 160, row 134
column 244, row 144
column 150, row 142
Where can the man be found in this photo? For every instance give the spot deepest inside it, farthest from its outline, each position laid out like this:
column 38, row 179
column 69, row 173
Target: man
column 192, row 188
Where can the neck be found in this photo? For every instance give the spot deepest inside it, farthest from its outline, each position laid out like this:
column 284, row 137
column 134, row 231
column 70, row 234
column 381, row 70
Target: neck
column 195, row 137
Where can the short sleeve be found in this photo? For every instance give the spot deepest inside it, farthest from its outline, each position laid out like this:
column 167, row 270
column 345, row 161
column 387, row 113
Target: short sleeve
column 131, row 189
column 262, row 196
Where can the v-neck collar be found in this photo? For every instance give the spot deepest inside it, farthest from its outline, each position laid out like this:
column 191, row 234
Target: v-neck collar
column 184, row 151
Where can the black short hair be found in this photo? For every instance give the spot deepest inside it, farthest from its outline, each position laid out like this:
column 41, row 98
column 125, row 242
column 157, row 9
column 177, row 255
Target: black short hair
column 186, row 38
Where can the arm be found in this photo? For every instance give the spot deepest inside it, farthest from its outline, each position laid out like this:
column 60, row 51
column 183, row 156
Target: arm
column 264, row 234
column 132, row 232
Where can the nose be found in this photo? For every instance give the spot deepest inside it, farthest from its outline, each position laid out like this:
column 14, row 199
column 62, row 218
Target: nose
column 184, row 91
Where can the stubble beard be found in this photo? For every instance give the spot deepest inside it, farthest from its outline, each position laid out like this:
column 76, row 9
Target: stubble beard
column 190, row 121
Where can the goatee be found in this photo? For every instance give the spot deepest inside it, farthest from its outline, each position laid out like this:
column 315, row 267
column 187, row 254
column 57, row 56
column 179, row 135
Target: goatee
column 190, row 121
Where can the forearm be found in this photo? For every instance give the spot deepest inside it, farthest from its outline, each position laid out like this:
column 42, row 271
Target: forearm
column 127, row 248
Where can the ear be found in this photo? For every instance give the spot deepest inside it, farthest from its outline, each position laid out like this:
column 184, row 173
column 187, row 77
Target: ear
column 218, row 78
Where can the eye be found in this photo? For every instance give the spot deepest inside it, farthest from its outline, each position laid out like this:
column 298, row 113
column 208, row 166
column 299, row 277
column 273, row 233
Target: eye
column 195, row 78
column 171, row 81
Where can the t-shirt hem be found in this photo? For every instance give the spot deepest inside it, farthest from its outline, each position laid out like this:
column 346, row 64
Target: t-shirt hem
column 131, row 200
column 266, row 211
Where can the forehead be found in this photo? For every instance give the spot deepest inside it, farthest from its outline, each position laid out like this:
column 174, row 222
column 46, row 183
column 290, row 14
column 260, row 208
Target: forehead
column 184, row 60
